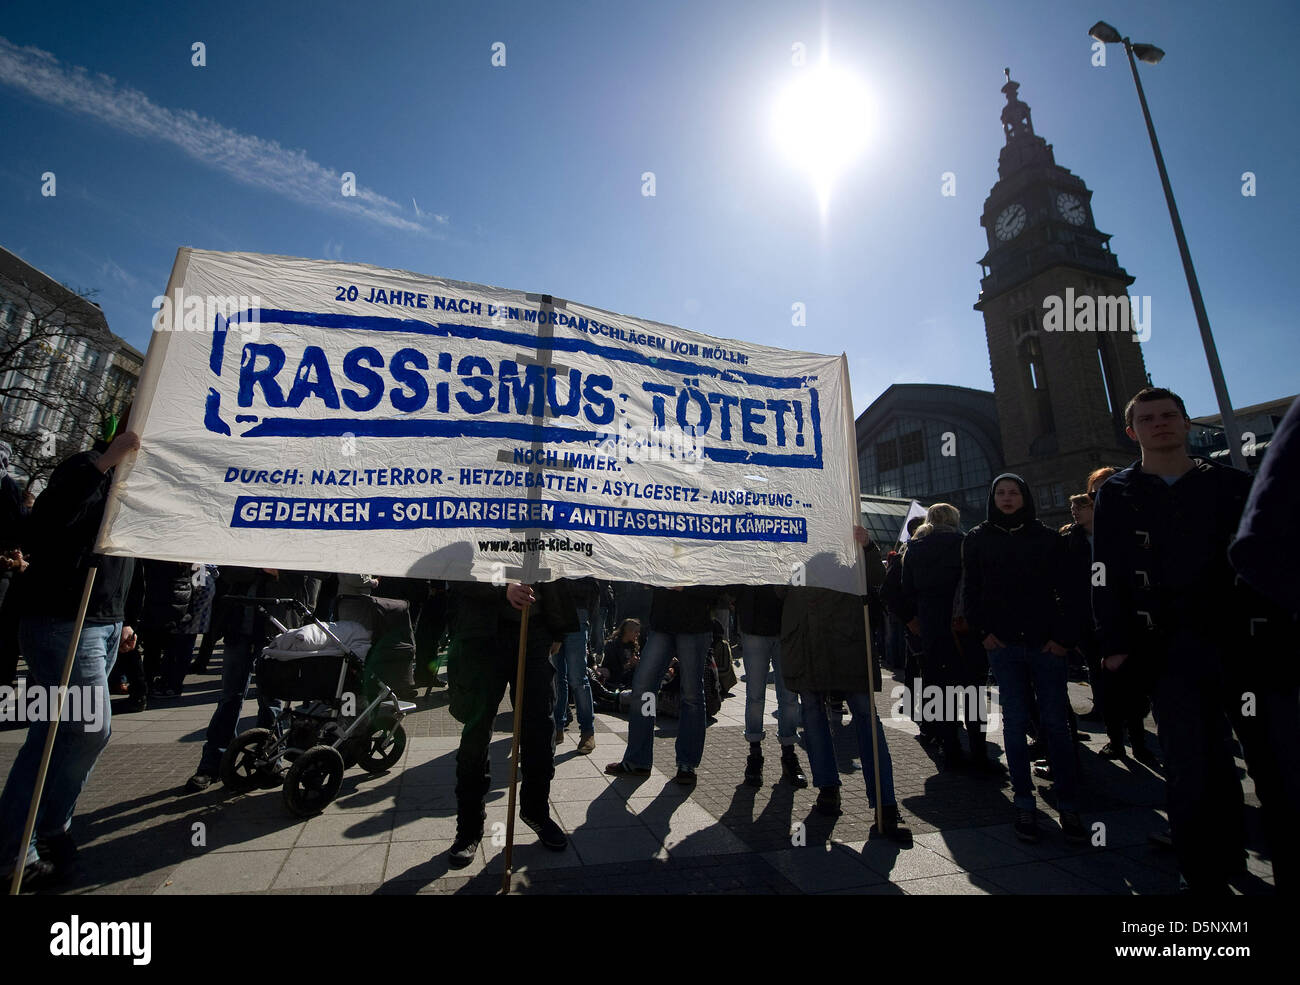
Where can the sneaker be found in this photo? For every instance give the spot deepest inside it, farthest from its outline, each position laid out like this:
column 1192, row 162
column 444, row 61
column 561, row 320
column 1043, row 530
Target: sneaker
column 1027, row 826
column 754, row 769
column 791, row 771
column 136, row 704
column 587, row 744
column 1113, row 750
column 548, row 832
column 828, row 801
column 685, row 777
column 120, row 686
column 1043, row 769
column 199, row 782
column 559, row 736
column 463, row 850
column 1072, row 827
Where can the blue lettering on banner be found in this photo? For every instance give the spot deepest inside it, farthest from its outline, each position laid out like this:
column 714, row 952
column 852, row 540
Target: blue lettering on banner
column 783, row 431
column 392, row 513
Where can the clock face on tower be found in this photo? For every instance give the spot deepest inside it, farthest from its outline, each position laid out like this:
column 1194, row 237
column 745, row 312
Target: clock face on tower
column 1071, row 209
column 1010, row 222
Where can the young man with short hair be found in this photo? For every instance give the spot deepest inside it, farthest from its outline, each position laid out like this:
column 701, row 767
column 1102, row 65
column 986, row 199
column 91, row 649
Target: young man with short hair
column 1168, row 606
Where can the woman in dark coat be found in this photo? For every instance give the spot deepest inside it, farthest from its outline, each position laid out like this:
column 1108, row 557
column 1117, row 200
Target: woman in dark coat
column 1012, row 565
column 824, row 649
column 931, row 572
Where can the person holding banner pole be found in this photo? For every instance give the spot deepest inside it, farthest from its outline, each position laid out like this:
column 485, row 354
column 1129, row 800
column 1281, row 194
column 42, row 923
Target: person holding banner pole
column 72, row 629
column 486, row 624
column 824, row 648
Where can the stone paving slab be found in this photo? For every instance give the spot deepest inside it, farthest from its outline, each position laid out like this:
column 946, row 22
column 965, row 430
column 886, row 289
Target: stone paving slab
column 389, row 833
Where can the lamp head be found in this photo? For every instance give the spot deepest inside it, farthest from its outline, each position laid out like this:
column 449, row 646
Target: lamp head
column 1105, row 33
column 1148, row 53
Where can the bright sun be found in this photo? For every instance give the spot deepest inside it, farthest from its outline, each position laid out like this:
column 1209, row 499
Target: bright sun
column 822, row 121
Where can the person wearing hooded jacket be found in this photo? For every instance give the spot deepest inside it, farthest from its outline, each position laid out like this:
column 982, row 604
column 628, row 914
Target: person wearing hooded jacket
column 1012, row 566
column 931, row 573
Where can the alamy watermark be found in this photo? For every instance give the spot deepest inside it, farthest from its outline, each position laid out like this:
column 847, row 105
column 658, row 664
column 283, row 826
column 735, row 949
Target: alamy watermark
column 1088, row 313
column 84, row 703
column 208, row 312
column 935, row 703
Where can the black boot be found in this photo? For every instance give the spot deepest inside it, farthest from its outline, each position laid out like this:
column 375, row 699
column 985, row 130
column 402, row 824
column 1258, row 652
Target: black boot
column 469, row 832
column 754, row 765
column 791, row 771
column 892, row 827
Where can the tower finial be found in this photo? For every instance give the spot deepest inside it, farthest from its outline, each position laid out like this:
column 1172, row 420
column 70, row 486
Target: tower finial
column 1007, row 73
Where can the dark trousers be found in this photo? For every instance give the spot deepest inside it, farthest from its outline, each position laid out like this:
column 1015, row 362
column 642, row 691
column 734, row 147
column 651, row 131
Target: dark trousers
column 478, row 673
column 1124, row 706
column 236, row 670
column 1198, row 704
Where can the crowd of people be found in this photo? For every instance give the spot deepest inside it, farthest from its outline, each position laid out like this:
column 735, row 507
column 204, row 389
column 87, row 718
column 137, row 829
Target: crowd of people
column 1174, row 585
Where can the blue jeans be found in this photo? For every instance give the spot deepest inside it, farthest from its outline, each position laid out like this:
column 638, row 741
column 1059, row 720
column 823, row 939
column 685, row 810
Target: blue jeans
column 571, row 666
column 76, row 749
column 692, row 649
column 236, row 669
column 821, row 746
column 1019, row 668
column 760, row 652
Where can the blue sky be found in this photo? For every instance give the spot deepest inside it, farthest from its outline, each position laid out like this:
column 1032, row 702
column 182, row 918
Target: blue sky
column 528, row 176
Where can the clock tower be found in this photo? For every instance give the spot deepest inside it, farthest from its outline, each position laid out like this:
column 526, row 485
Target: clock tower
column 1062, row 330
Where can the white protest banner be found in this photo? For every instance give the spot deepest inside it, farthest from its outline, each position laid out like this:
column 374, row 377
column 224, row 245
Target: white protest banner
column 315, row 415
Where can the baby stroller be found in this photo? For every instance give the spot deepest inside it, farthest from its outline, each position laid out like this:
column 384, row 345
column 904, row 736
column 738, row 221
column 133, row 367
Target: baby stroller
column 330, row 669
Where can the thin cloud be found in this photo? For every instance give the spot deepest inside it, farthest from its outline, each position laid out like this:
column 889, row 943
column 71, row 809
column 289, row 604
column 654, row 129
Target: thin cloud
column 248, row 159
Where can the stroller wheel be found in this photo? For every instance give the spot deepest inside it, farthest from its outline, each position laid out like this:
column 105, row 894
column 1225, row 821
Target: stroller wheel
column 244, row 765
column 382, row 746
column 313, row 781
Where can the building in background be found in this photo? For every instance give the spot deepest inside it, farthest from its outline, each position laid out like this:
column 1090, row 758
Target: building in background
column 1257, row 424
column 1060, row 393
column 932, row 443
column 62, row 372
column 884, row 516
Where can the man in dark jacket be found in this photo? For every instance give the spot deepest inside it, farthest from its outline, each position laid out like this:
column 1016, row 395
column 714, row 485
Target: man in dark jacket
column 823, row 650
column 758, row 608
column 681, row 625
column 1012, row 566
column 1171, row 606
column 61, row 535
column 1264, row 555
column 931, row 573
column 482, row 661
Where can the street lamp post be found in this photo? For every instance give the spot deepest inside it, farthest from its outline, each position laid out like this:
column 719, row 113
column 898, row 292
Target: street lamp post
column 1103, row 32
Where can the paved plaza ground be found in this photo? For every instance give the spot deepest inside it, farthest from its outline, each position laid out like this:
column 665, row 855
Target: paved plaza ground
column 140, row 834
